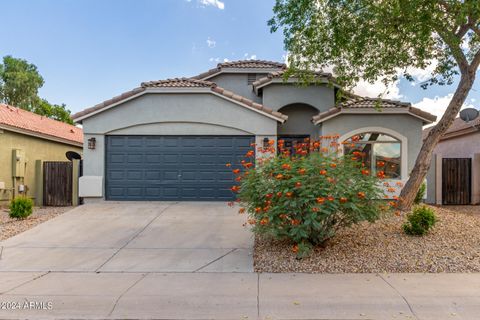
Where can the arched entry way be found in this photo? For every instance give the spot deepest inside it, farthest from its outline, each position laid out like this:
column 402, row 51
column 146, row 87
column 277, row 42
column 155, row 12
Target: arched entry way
column 299, row 124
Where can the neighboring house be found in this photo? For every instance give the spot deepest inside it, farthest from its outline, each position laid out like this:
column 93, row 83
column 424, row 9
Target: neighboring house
column 26, row 137
column 454, row 175
column 170, row 139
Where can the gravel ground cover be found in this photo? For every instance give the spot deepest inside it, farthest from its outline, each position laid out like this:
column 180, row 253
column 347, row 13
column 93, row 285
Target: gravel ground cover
column 10, row 227
column 452, row 246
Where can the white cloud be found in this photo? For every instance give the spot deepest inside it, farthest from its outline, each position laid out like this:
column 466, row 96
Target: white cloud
column 211, row 43
column 423, row 74
column 218, row 60
column 214, row 3
column 437, row 105
column 376, row 89
column 247, row 56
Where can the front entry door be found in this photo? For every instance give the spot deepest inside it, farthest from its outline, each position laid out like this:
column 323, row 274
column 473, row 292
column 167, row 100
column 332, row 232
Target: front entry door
column 292, row 140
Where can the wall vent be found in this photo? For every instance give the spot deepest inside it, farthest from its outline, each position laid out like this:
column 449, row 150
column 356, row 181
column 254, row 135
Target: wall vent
column 251, row 78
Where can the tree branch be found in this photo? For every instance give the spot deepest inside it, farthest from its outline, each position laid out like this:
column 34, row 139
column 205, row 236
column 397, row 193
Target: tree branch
column 462, row 31
column 452, row 42
column 475, row 62
column 475, row 29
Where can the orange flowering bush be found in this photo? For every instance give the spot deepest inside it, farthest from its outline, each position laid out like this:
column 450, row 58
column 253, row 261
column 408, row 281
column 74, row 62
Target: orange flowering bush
column 307, row 197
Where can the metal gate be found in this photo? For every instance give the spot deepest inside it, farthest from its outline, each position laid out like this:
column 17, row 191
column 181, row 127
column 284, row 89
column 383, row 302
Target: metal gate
column 456, row 180
column 57, row 183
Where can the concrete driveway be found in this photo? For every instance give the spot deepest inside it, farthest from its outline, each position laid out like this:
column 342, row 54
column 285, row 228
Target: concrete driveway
column 135, row 237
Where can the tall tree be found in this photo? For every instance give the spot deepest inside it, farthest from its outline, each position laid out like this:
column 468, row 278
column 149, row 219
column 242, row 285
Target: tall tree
column 385, row 39
column 20, row 82
column 53, row 111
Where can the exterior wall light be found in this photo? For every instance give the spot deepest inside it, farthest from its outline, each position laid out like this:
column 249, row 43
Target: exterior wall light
column 91, row 143
column 266, row 140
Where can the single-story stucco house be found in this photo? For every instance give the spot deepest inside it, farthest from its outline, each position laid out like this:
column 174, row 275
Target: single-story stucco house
column 170, row 139
column 454, row 175
column 25, row 138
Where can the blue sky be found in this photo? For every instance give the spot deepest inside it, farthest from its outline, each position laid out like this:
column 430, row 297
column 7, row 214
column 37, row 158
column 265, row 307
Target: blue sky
column 91, row 50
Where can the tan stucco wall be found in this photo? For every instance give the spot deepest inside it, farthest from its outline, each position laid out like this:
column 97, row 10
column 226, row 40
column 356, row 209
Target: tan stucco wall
column 34, row 149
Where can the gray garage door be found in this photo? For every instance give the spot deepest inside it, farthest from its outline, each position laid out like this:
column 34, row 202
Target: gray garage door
column 172, row 167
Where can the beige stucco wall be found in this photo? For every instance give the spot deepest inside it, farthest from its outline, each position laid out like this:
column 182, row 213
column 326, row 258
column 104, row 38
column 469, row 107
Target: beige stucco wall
column 34, row 149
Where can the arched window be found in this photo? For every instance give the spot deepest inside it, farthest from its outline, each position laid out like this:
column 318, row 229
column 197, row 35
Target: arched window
column 379, row 152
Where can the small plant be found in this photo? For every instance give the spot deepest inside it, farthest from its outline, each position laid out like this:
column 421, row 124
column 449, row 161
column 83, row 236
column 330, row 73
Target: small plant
column 420, row 194
column 21, row 208
column 420, row 221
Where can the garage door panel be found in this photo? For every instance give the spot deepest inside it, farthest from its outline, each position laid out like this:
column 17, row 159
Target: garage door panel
column 153, row 158
column 153, row 175
column 172, row 168
column 135, row 158
column 135, row 175
column 135, row 142
column 171, row 158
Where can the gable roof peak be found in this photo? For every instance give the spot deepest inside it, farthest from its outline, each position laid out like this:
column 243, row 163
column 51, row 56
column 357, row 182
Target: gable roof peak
column 242, row 64
column 252, row 63
column 178, row 83
column 372, row 105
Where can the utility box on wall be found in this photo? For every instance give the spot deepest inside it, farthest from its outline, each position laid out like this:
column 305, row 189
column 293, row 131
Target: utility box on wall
column 18, row 163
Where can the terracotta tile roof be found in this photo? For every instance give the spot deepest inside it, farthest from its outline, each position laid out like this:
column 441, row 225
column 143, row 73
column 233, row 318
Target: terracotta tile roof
column 373, row 103
column 242, row 64
column 278, row 74
column 248, row 102
column 36, row 124
column 184, row 83
column 458, row 127
column 178, row 83
column 256, row 64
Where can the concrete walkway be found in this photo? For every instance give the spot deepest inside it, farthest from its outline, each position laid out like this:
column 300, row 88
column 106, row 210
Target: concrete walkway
column 241, row 296
column 193, row 261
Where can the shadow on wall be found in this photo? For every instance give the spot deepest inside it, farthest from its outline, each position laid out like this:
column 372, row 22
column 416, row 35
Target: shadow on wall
column 299, row 120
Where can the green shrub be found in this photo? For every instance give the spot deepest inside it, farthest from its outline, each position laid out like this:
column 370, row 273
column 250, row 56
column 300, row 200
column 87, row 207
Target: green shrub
column 420, row 194
column 21, row 208
column 420, row 221
column 307, row 198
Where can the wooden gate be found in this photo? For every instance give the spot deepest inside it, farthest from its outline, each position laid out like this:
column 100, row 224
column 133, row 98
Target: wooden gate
column 57, row 183
column 456, row 180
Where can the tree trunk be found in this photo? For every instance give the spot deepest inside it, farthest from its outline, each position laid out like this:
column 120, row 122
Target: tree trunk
column 422, row 164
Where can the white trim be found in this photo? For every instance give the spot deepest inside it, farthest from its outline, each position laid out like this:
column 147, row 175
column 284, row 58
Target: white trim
column 403, row 110
column 403, row 144
column 241, row 70
column 40, row 135
column 281, row 120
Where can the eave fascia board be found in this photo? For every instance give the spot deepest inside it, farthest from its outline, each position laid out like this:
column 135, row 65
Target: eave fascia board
column 241, row 70
column 373, row 111
column 281, row 120
column 293, row 80
column 40, row 135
